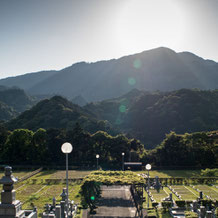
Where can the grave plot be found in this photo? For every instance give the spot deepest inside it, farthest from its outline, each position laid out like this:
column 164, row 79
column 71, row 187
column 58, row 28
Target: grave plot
column 158, row 196
column 210, row 191
column 46, row 195
column 25, row 192
column 42, row 197
column 168, row 191
column 186, row 192
column 72, row 174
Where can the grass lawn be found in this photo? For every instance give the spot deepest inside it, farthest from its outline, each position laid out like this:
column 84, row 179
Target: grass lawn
column 18, row 174
column 208, row 190
column 186, row 192
column 172, row 173
column 46, row 193
column 61, row 174
column 158, row 196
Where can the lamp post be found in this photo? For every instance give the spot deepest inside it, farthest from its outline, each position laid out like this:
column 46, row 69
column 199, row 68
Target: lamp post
column 67, row 148
column 148, row 167
column 97, row 156
column 123, row 161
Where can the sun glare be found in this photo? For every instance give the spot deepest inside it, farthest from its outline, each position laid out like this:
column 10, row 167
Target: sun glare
column 144, row 24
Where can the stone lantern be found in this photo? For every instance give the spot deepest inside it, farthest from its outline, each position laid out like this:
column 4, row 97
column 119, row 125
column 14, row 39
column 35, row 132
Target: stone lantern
column 9, row 206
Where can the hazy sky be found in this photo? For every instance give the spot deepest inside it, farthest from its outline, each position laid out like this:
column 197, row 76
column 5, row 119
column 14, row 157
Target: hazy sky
column 52, row 34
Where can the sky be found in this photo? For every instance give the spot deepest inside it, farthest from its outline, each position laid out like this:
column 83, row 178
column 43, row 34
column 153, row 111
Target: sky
column 40, row 35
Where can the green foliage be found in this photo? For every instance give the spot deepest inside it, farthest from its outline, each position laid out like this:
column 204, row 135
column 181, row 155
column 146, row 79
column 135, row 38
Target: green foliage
column 209, row 172
column 180, row 203
column 115, row 177
column 90, row 188
column 16, row 99
column 151, row 115
column 90, row 192
column 166, row 205
column 190, row 214
column 58, row 112
column 6, row 112
column 197, row 149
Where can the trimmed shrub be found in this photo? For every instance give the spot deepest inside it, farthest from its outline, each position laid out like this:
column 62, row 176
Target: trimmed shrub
column 180, row 203
column 166, row 205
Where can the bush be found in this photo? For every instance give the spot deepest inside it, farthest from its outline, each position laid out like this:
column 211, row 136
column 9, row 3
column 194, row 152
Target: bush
column 151, row 213
column 154, row 204
column 190, row 214
column 209, row 172
column 166, row 205
column 180, row 203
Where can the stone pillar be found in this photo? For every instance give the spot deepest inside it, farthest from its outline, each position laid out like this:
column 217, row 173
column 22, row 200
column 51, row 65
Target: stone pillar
column 195, row 206
column 9, row 207
column 202, row 211
column 58, row 211
column 62, row 209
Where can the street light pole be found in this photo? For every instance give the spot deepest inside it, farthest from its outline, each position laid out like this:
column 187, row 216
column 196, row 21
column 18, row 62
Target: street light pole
column 67, row 148
column 123, row 161
column 148, row 167
column 97, row 156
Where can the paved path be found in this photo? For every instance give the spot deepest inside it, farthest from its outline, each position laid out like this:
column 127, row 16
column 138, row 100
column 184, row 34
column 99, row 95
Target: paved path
column 115, row 201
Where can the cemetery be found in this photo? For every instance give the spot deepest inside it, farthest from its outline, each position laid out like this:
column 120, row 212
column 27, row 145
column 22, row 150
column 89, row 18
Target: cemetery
column 44, row 192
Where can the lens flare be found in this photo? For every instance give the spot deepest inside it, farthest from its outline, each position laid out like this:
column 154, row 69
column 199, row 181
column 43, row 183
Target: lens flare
column 122, row 108
column 118, row 121
column 131, row 81
column 137, row 63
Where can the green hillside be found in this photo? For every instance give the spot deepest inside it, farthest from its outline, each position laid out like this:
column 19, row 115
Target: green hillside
column 6, row 112
column 16, row 98
column 148, row 116
column 58, row 112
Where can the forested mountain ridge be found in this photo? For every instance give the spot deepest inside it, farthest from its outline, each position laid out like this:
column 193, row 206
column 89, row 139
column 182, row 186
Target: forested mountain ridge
column 58, row 112
column 6, row 112
column 148, row 116
column 16, row 98
column 157, row 69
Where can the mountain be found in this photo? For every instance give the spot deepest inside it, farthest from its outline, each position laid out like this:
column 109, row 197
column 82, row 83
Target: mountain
column 148, row 116
column 16, row 98
column 157, row 69
column 6, row 112
column 79, row 100
column 28, row 80
column 58, row 112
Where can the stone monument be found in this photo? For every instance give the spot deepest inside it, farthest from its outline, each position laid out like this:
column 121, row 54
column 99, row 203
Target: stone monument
column 9, row 206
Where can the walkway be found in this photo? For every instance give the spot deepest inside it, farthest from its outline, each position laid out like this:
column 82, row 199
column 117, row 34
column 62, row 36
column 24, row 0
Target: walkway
column 115, row 201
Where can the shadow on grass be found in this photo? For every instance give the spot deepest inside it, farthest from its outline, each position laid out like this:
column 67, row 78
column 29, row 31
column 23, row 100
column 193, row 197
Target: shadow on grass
column 46, row 173
column 182, row 173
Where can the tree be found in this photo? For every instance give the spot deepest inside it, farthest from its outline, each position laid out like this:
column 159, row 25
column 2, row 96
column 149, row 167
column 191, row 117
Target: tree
column 19, row 147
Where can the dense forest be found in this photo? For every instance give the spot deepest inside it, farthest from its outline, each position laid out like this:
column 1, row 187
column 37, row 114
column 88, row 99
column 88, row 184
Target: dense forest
column 146, row 116
column 43, row 147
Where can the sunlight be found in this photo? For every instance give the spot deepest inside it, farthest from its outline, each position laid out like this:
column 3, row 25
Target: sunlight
column 145, row 24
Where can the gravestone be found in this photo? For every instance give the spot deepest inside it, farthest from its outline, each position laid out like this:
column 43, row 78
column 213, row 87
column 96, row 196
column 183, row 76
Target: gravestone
column 201, row 195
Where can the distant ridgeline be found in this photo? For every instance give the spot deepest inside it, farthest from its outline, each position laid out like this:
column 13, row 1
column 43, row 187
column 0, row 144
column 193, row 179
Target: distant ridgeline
column 42, row 147
column 157, row 69
column 13, row 101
